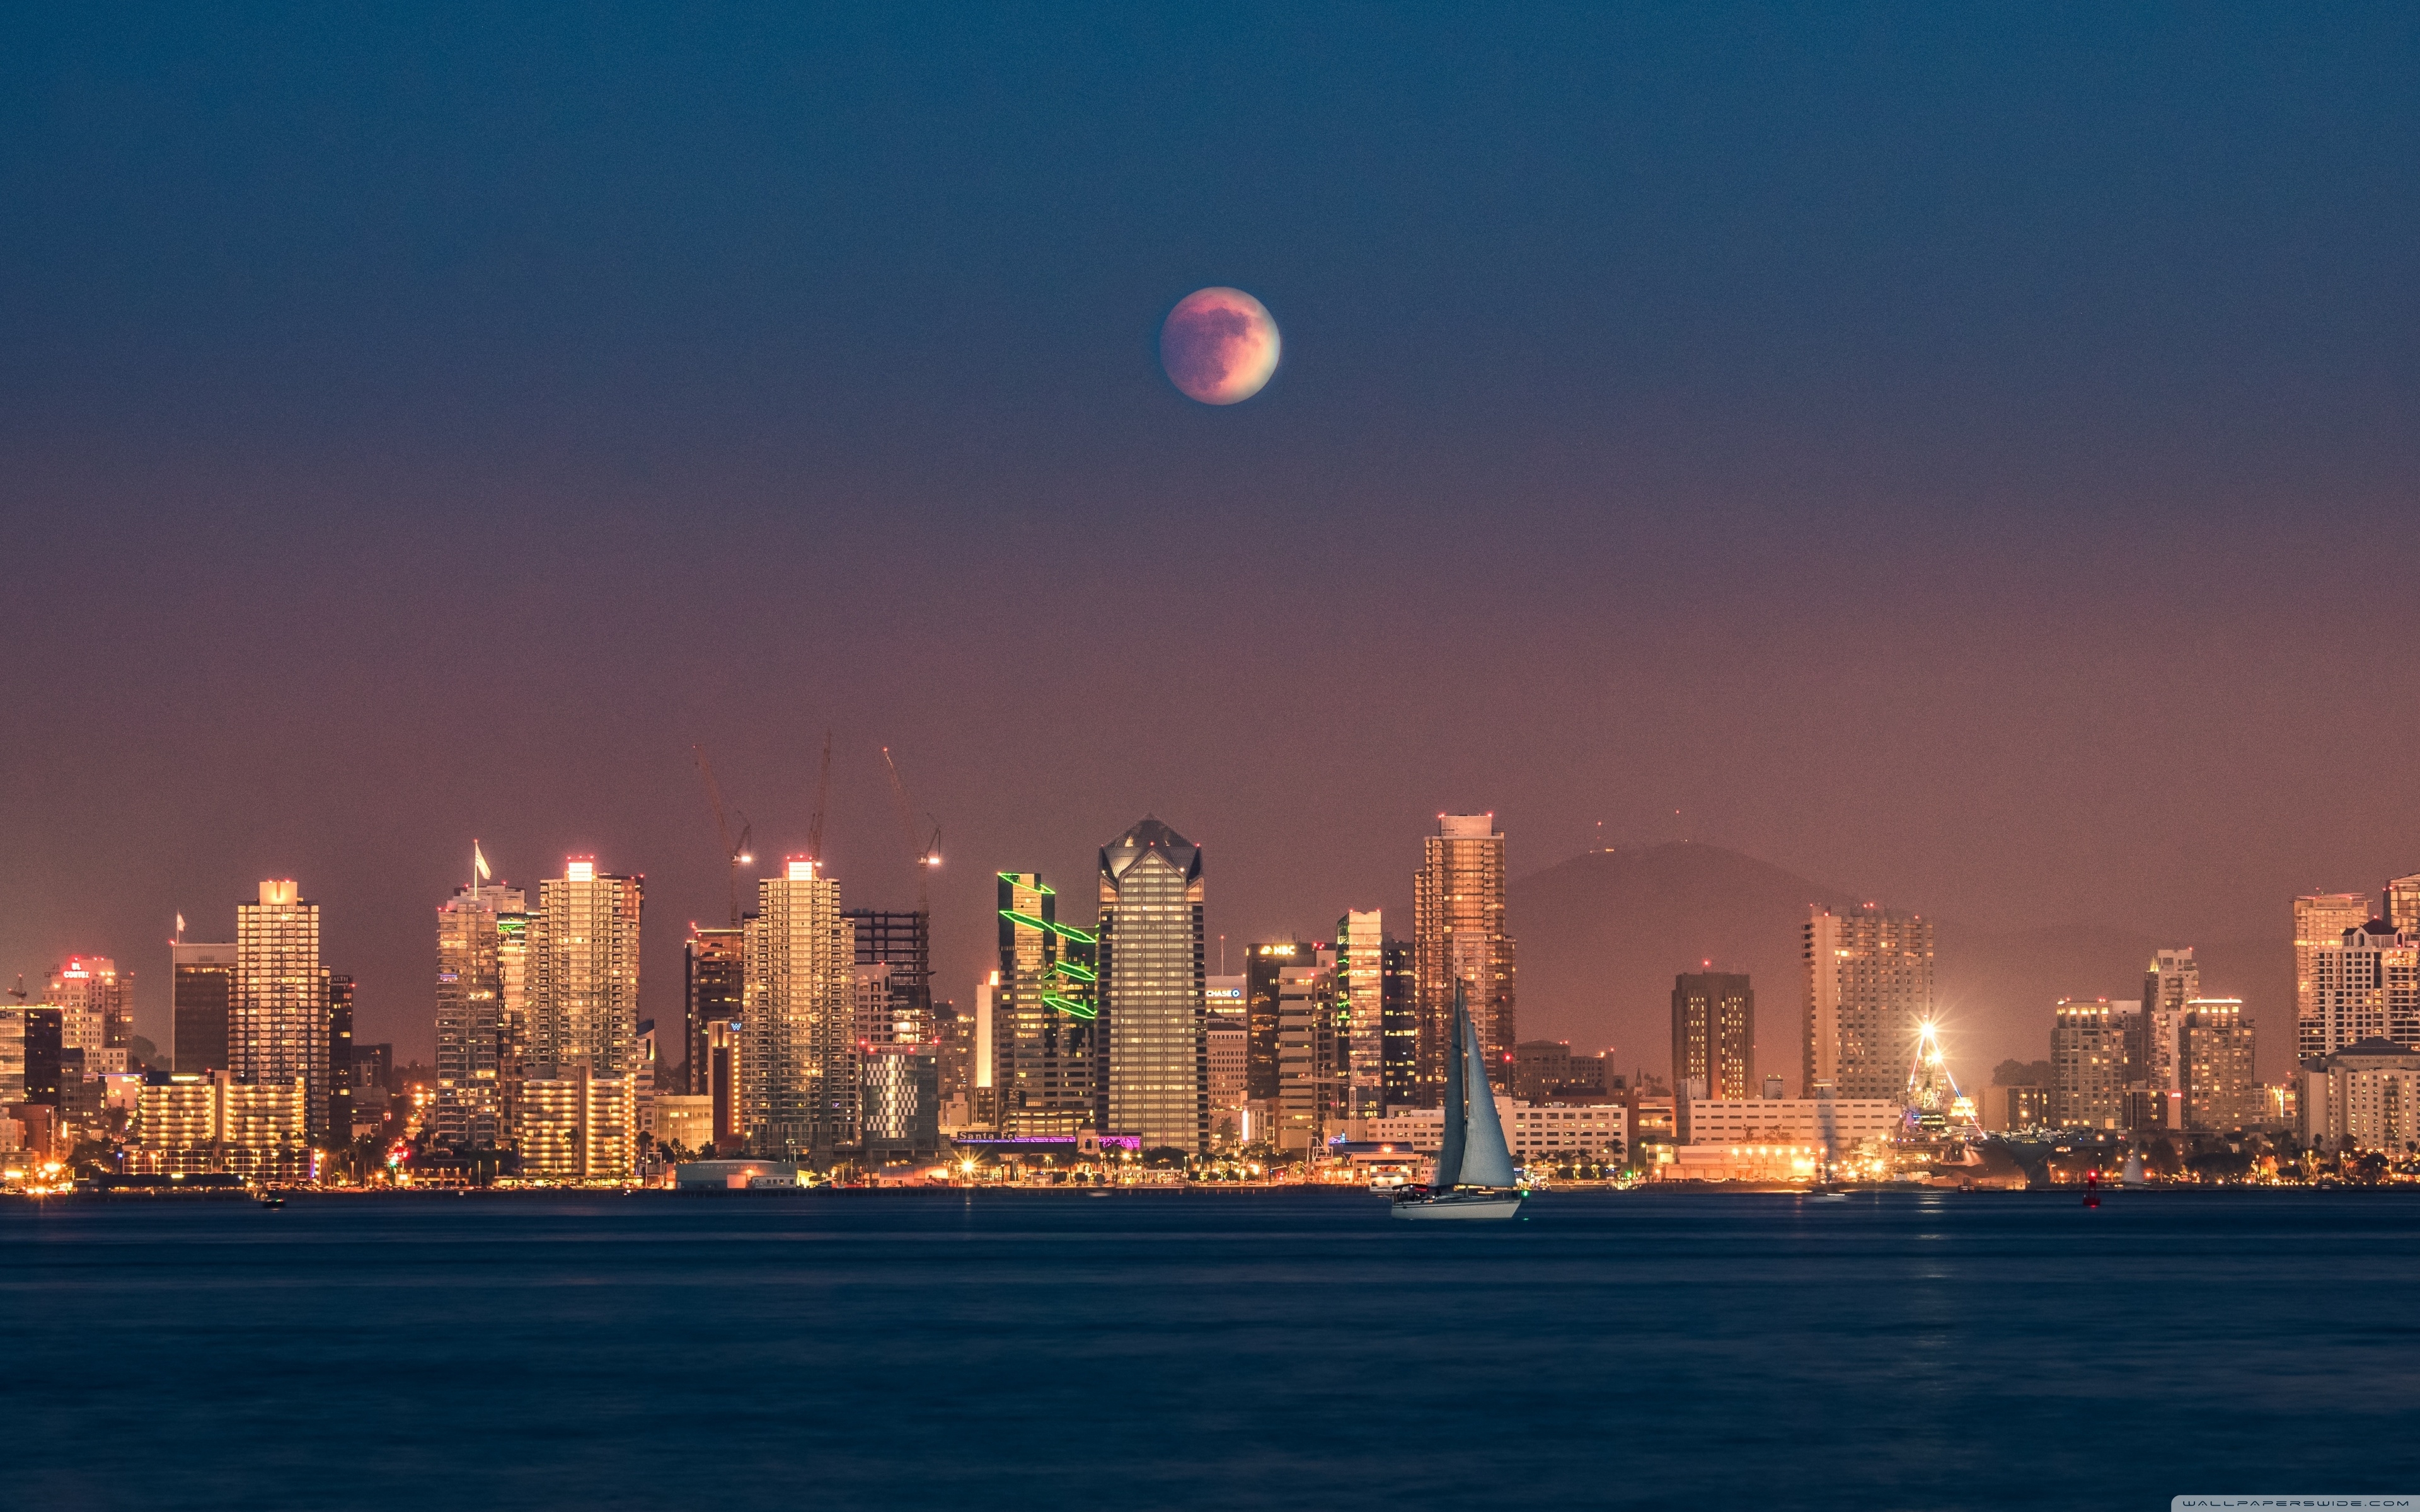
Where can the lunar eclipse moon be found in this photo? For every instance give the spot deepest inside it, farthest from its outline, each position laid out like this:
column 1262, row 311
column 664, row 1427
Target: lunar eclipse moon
column 1219, row 345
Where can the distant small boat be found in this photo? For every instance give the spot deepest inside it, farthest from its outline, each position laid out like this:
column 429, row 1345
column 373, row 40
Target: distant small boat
column 1474, row 1178
column 2132, row 1174
column 271, row 1200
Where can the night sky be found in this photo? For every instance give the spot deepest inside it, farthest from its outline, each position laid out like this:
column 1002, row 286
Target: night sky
column 1962, row 455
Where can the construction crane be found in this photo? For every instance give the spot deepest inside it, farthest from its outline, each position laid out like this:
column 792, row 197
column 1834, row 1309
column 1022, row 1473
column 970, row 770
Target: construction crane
column 736, row 853
column 928, row 853
column 823, row 804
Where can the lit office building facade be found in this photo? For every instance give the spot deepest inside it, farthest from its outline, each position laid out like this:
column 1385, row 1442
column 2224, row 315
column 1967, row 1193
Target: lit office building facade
column 2155, row 1055
column 1869, row 987
column 1714, row 1035
column 1305, row 1016
column 1460, row 935
column 1361, row 1014
column 1046, row 1043
column 277, row 1026
column 798, row 1067
column 202, row 990
column 467, row 1108
column 714, row 978
column 93, row 985
column 1151, row 986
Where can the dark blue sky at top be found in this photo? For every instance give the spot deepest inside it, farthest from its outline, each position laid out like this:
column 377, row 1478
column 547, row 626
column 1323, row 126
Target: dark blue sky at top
column 1961, row 454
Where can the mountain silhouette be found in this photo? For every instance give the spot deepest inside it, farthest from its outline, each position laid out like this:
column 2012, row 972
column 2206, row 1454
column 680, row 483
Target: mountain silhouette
column 1600, row 938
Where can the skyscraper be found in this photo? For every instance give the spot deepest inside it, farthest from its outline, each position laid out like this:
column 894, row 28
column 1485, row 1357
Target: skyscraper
column 93, row 984
column 2364, row 986
column 2215, row 1056
column 340, row 1058
column 1305, row 1016
column 2321, row 919
column 800, row 1092
column 1151, row 981
column 1360, row 1015
column 902, row 940
column 512, row 1021
column 2087, row 1062
column 2403, row 905
column 1869, row 987
column 1399, row 1019
column 203, row 994
column 1263, row 962
column 1046, row 1041
column 2156, row 1060
column 713, row 975
column 1459, row 933
column 467, row 1109
column 1714, row 1034
column 277, row 1027
column 583, row 973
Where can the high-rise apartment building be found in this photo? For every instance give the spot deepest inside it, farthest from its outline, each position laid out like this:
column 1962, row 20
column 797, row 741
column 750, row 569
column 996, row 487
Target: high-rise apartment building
column 1714, row 1035
column 800, row 1086
column 2321, row 919
column 467, row 1109
column 1869, row 988
column 1460, row 935
column 512, row 1020
column 1398, row 1020
column 1225, row 1038
column 203, row 1000
column 93, row 984
column 340, row 1059
column 2156, row 1056
column 714, row 978
column 2403, row 905
column 277, row 1027
column 1045, row 1034
column 583, row 973
column 1361, row 1014
column 2087, row 1066
column 2366, row 986
column 2214, row 1066
column 1157, row 1082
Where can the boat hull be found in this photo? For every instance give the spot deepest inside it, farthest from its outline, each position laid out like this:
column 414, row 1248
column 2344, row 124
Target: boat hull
column 1467, row 1207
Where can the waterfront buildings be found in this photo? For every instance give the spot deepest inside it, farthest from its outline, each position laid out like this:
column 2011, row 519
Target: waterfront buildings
column 1306, row 1014
column 580, row 1128
column 2363, row 1097
column 1533, row 1132
column 212, row 1123
column 2155, row 1057
column 583, row 974
column 2215, row 1084
column 1158, row 1072
column 713, row 978
column 203, row 1001
column 1460, row 934
column 902, row 1103
column 1546, row 1070
column 1843, row 1124
column 2087, row 1062
column 278, row 1025
column 1046, row 1056
column 468, row 1109
column 2363, row 986
column 1714, row 1033
column 2321, row 919
column 1869, row 987
column 799, row 1087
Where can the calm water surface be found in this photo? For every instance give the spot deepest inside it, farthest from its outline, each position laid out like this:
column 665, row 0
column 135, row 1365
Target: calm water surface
column 1295, row 1350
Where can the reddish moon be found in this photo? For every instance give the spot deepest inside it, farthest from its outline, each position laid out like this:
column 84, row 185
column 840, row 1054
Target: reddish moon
column 1219, row 345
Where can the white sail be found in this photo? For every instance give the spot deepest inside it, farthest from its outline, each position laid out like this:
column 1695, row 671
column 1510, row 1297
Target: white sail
column 1449, row 1166
column 1486, row 1160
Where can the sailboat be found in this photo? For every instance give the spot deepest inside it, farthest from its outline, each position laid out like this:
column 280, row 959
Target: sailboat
column 1474, row 1171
